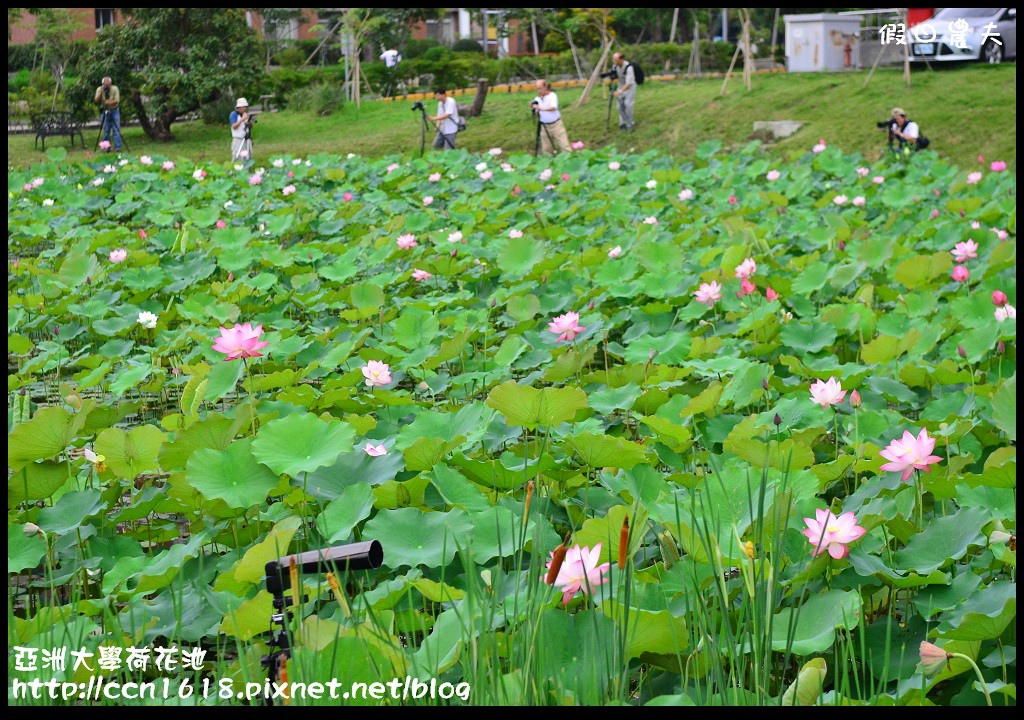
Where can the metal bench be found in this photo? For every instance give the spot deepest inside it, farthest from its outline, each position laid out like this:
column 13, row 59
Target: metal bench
column 56, row 124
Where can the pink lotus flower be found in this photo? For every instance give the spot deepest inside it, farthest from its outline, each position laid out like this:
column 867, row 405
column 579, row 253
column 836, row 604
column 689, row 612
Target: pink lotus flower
column 287, row 190
column 820, row 147
column 392, row 167
column 377, row 373
column 200, row 174
column 960, row 273
column 859, row 201
column 142, row 234
column 613, row 165
column 685, row 194
column 27, row 187
column 999, row 298
column 506, row 167
column 745, row 269
column 909, row 454
column 455, row 237
column 566, row 326
column 615, row 251
column 119, row 255
column 406, row 242
column 708, row 293
column 221, row 224
column 580, row 571
column 733, row 200
column 578, row 145
column 256, row 179
column 486, row 175
column 513, row 233
column 936, row 192
column 1000, row 234
column 38, row 182
column 545, row 175
column 291, row 174
column 347, row 197
column 650, row 220
column 375, row 450
column 840, row 199
column 549, row 187
column 146, row 160
column 975, row 225
column 981, row 160
column 241, row 341
column 427, row 200
column 771, row 295
column 746, row 288
column 935, row 213
column 168, row 165
column 963, row 251
column 420, row 275
column 434, row 177
column 515, row 191
column 933, row 658
column 863, row 171
column 827, row 393
column 855, row 399
column 773, row 175
column 495, row 151
column 878, row 179
column 828, row 532
column 1006, row 312
column 565, row 177
column 104, row 145
column 997, row 166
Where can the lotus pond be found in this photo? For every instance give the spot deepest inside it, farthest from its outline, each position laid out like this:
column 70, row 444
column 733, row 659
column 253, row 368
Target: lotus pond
column 760, row 418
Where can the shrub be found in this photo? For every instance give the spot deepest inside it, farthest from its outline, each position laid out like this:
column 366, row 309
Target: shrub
column 290, row 57
column 323, row 98
column 20, row 57
column 284, row 82
column 216, row 112
column 415, row 48
column 437, row 54
column 468, row 45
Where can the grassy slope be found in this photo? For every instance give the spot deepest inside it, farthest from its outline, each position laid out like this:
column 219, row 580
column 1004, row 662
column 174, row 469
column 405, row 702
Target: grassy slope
column 965, row 111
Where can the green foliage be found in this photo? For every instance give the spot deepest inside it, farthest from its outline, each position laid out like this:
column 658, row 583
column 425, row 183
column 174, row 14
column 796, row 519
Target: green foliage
column 320, row 99
column 467, row 45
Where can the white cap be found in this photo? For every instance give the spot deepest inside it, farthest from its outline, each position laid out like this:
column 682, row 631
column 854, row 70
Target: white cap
column 241, row 102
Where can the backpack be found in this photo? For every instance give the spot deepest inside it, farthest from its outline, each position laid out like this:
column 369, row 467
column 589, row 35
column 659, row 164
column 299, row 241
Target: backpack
column 638, row 73
column 922, row 141
column 461, row 123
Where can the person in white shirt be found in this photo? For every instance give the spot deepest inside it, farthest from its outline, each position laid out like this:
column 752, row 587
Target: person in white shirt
column 904, row 129
column 552, row 130
column 391, row 59
column 447, row 120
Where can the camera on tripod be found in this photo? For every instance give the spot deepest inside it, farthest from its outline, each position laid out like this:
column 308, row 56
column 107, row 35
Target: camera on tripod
column 608, row 75
column 418, row 105
column 884, row 124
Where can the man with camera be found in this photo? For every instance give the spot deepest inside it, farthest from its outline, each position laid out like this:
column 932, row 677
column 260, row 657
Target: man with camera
column 904, row 131
column 446, row 120
column 552, row 129
column 623, row 73
column 241, row 131
column 108, row 97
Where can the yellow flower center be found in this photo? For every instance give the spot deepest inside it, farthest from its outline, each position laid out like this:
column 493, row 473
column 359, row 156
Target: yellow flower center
column 832, row 529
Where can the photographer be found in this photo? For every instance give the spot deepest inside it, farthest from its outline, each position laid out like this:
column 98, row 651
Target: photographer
column 552, row 130
column 108, row 97
column 446, row 120
column 626, row 92
column 904, row 130
column 241, row 131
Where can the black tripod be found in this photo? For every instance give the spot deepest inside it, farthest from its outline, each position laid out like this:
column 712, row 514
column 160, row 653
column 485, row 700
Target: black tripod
column 423, row 130
column 536, row 148
column 104, row 119
column 357, row 556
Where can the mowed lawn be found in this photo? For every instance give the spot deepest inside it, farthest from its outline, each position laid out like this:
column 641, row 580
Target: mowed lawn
column 966, row 111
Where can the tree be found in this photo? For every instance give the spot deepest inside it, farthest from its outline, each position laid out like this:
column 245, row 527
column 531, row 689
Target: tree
column 398, row 23
column 55, row 28
column 174, row 60
column 274, row 21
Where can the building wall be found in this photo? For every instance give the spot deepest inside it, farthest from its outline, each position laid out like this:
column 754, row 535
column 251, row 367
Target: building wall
column 24, row 30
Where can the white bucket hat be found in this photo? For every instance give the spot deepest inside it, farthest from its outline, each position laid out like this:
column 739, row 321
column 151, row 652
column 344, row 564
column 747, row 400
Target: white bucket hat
column 241, row 102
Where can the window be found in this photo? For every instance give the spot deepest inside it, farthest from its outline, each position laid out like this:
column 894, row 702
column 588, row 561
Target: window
column 441, row 30
column 104, row 17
